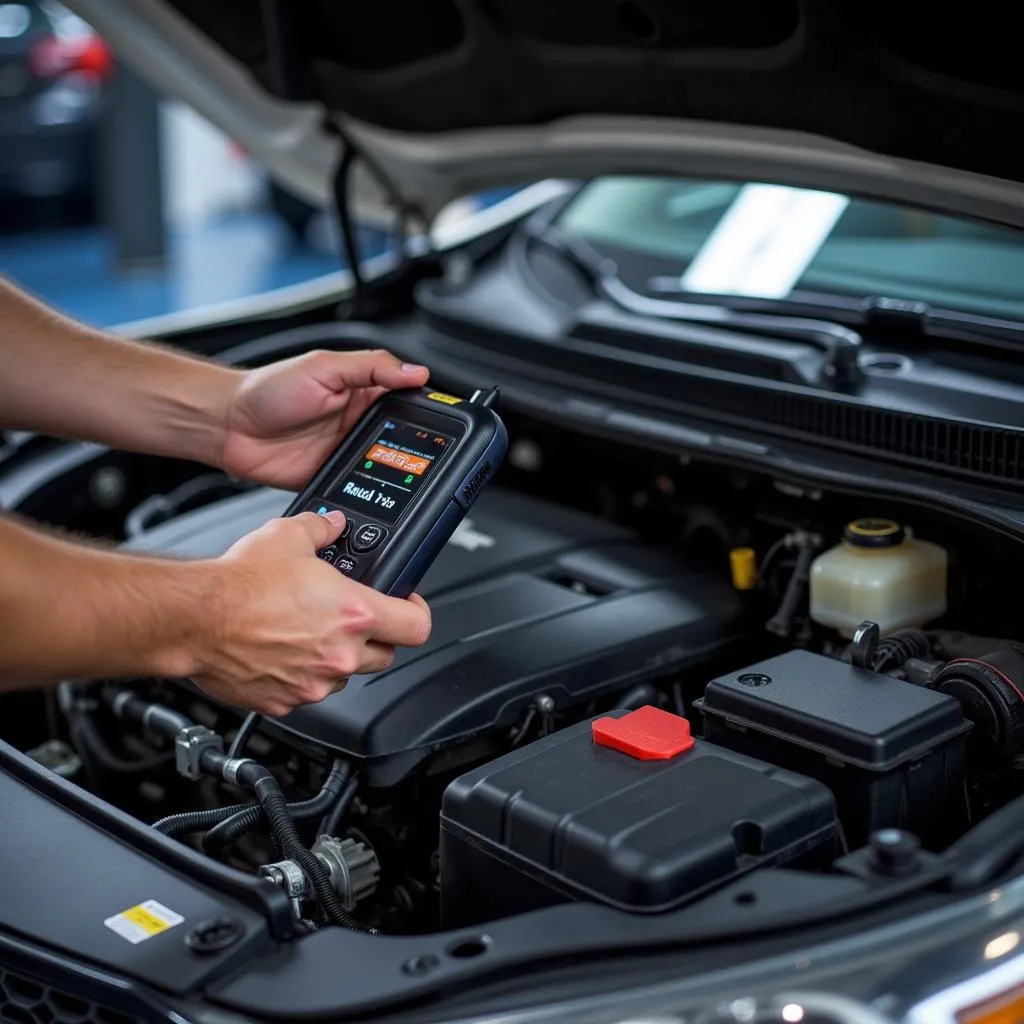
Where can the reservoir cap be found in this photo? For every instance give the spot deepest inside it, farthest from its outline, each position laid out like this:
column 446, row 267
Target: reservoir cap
column 874, row 533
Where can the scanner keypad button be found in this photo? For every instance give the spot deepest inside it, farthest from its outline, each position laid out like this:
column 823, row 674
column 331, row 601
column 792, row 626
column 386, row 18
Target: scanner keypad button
column 346, row 564
column 367, row 537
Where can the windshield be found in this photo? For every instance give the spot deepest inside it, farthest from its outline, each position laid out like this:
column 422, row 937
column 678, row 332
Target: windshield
column 774, row 242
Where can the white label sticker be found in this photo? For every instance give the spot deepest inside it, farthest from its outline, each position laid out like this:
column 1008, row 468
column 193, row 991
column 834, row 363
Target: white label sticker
column 136, row 924
column 765, row 241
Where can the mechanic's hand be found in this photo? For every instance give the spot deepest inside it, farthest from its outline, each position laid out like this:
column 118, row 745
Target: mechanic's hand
column 284, row 419
column 288, row 629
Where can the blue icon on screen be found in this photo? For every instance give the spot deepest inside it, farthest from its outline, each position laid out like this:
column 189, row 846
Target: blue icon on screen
column 322, row 510
column 389, row 425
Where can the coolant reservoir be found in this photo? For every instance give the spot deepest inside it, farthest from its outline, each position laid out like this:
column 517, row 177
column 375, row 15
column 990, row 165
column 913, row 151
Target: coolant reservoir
column 879, row 572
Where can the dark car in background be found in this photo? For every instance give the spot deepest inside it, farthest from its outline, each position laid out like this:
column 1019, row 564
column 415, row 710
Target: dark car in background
column 53, row 73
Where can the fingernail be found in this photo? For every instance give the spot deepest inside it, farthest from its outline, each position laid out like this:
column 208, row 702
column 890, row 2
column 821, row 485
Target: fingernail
column 335, row 517
column 412, row 368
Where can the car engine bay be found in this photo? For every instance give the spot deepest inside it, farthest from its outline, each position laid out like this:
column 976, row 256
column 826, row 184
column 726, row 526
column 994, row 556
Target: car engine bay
column 648, row 677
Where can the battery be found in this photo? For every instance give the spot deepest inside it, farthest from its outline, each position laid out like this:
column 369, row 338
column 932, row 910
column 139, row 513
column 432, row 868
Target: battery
column 891, row 752
column 629, row 811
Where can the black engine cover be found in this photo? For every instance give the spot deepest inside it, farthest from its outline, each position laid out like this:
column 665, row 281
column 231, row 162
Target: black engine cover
column 527, row 598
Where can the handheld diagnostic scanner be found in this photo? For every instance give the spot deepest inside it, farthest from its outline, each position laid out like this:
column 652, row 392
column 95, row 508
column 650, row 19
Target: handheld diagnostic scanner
column 405, row 477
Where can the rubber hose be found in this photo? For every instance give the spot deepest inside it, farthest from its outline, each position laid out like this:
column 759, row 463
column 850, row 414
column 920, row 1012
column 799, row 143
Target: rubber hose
column 232, row 827
column 246, row 730
column 163, row 720
column 196, row 821
column 269, row 794
column 83, row 729
column 331, row 824
column 303, row 810
column 781, row 623
column 241, row 819
column 897, row 649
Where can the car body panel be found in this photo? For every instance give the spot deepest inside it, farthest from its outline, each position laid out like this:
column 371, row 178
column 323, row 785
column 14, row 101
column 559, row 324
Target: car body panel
column 828, row 108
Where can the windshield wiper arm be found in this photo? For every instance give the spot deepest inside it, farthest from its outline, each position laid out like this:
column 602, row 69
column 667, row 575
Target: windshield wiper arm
column 841, row 345
column 905, row 319
column 911, row 318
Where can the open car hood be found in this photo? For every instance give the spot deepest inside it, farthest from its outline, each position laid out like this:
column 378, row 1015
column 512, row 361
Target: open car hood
column 451, row 96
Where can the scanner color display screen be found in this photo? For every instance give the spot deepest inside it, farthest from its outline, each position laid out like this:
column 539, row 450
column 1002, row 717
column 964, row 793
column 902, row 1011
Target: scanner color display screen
column 393, row 467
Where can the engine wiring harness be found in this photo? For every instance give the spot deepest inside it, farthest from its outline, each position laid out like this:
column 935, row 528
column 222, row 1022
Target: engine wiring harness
column 335, row 874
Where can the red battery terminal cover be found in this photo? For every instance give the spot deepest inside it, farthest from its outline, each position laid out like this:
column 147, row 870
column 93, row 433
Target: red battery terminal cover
column 648, row 734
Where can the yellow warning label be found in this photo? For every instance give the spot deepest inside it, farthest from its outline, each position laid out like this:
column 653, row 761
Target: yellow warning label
column 141, row 922
column 436, row 396
column 148, row 922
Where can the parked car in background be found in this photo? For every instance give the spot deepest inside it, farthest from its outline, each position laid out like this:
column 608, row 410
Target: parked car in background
column 53, row 74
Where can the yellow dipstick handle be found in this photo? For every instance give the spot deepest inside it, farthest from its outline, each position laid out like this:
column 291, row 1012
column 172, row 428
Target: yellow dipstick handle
column 743, row 565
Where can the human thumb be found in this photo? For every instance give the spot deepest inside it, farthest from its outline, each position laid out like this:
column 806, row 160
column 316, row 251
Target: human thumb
column 320, row 529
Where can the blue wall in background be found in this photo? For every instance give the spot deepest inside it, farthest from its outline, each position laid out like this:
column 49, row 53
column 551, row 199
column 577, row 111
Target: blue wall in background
column 236, row 257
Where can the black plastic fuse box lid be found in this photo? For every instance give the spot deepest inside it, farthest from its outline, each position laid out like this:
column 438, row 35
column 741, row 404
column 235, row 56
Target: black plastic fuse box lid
column 590, row 822
column 849, row 714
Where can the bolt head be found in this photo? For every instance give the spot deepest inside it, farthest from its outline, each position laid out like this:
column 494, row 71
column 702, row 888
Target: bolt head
column 894, row 852
column 214, row 935
column 420, row 965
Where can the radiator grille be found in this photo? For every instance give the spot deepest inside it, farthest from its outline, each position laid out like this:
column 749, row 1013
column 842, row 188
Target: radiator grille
column 25, row 1000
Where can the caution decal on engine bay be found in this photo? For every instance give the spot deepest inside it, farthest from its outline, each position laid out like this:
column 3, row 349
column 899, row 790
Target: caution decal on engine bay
column 141, row 922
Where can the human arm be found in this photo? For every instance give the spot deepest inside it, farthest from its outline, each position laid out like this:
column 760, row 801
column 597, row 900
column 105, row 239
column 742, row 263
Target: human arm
column 267, row 626
column 68, row 380
column 273, row 425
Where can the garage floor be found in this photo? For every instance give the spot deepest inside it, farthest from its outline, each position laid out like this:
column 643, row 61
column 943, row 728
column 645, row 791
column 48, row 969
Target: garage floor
column 230, row 258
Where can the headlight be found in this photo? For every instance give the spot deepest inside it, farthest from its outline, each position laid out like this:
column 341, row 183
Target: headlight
column 960, row 962
column 994, row 997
